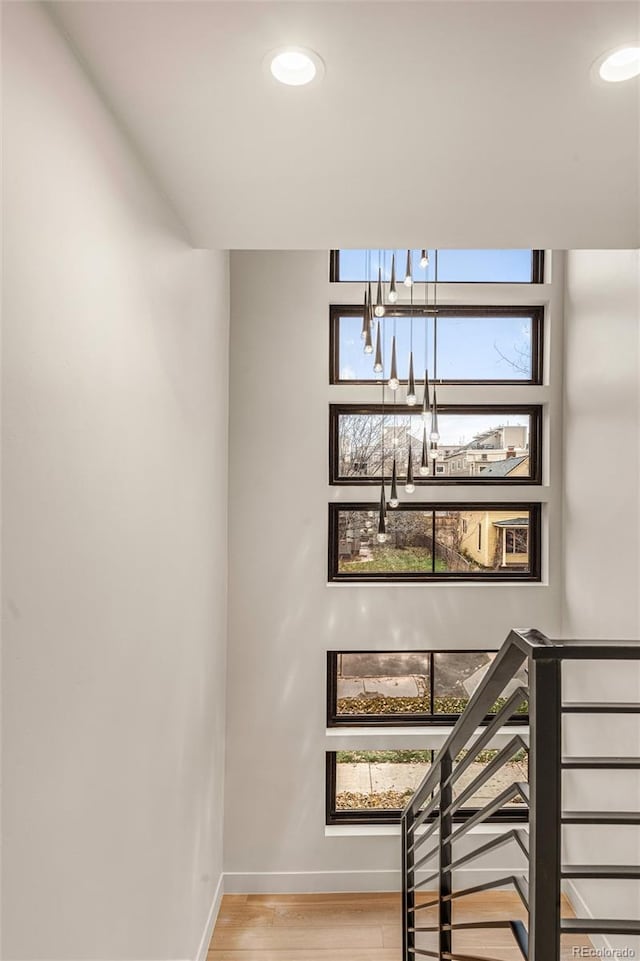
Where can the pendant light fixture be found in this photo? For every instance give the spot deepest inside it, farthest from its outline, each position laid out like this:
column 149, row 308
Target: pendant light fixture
column 426, row 403
column 382, row 520
column 379, row 308
column 412, row 397
column 424, row 258
column 368, row 342
column 365, row 314
column 424, row 460
column 408, row 279
column 394, row 383
column 393, row 293
column 409, row 484
column 435, row 433
column 393, row 495
column 377, row 364
column 433, row 451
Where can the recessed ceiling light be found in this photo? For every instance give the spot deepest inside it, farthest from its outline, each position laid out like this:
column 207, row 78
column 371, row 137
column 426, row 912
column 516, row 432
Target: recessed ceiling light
column 295, row 66
column 620, row 64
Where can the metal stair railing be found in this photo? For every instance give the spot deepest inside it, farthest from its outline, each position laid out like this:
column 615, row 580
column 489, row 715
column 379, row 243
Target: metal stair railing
column 429, row 815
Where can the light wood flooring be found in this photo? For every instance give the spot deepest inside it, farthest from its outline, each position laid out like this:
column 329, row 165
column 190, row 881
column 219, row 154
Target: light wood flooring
column 355, row 927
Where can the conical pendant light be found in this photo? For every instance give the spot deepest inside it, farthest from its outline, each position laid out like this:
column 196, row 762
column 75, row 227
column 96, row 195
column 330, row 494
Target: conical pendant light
column 393, row 293
column 408, row 279
column 424, row 460
column 409, row 485
column 379, row 310
column 377, row 364
column 426, row 402
column 382, row 520
column 394, row 383
column 424, row 258
column 435, row 434
column 368, row 342
column 393, row 496
column 412, row 397
column 365, row 314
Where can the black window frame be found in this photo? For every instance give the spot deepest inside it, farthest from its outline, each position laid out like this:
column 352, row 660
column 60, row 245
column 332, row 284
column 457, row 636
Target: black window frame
column 534, row 575
column 382, row 721
column 533, row 312
column 533, row 411
column 537, row 273
column 334, row 817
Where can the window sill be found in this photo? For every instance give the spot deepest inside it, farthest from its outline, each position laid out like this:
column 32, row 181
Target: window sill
column 393, row 830
column 387, row 738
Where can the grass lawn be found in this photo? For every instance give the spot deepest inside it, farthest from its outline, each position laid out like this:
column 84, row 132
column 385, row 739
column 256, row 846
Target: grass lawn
column 389, row 559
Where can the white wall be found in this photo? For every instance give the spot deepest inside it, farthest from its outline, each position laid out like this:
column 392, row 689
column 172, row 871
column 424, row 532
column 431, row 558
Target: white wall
column 283, row 615
column 601, row 551
column 115, row 540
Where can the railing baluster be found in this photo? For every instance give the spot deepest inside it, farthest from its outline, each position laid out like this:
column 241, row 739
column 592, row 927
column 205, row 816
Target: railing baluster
column 408, row 888
column 445, row 888
column 545, row 780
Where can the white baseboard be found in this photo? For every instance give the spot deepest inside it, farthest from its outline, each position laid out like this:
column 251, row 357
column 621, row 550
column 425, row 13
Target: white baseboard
column 211, row 921
column 321, row 882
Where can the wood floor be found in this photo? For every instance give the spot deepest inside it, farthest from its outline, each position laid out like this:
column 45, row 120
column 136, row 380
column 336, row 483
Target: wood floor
column 355, row 927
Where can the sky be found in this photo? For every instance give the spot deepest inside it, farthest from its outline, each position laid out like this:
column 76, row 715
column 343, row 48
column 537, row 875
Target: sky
column 469, row 348
column 454, row 266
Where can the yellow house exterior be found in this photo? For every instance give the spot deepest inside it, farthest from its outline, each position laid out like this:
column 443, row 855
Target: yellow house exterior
column 495, row 539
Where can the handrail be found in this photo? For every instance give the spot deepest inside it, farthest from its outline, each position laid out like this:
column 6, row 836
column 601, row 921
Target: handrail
column 434, row 799
column 519, row 645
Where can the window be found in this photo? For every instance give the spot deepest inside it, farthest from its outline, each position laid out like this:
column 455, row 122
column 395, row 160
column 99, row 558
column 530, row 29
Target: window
column 378, row 688
column 460, row 345
column 426, row 542
column 447, row 266
column 516, row 541
column 500, row 444
column 372, row 787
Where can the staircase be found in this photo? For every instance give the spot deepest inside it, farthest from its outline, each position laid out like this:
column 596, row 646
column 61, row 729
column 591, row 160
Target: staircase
column 429, row 833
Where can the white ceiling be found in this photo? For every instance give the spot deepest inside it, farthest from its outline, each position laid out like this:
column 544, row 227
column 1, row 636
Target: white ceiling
column 468, row 124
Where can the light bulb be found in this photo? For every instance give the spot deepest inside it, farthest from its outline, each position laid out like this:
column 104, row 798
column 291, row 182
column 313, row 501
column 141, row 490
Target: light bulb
column 379, row 308
column 433, row 453
column 408, row 280
column 394, row 383
column 393, row 293
column 393, row 494
column 423, row 470
column 409, row 488
column 424, row 258
column 381, row 537
column 412, row 397
column 368, row 348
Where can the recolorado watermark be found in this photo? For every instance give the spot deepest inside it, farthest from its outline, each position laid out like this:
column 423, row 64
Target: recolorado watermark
column 613, row 953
